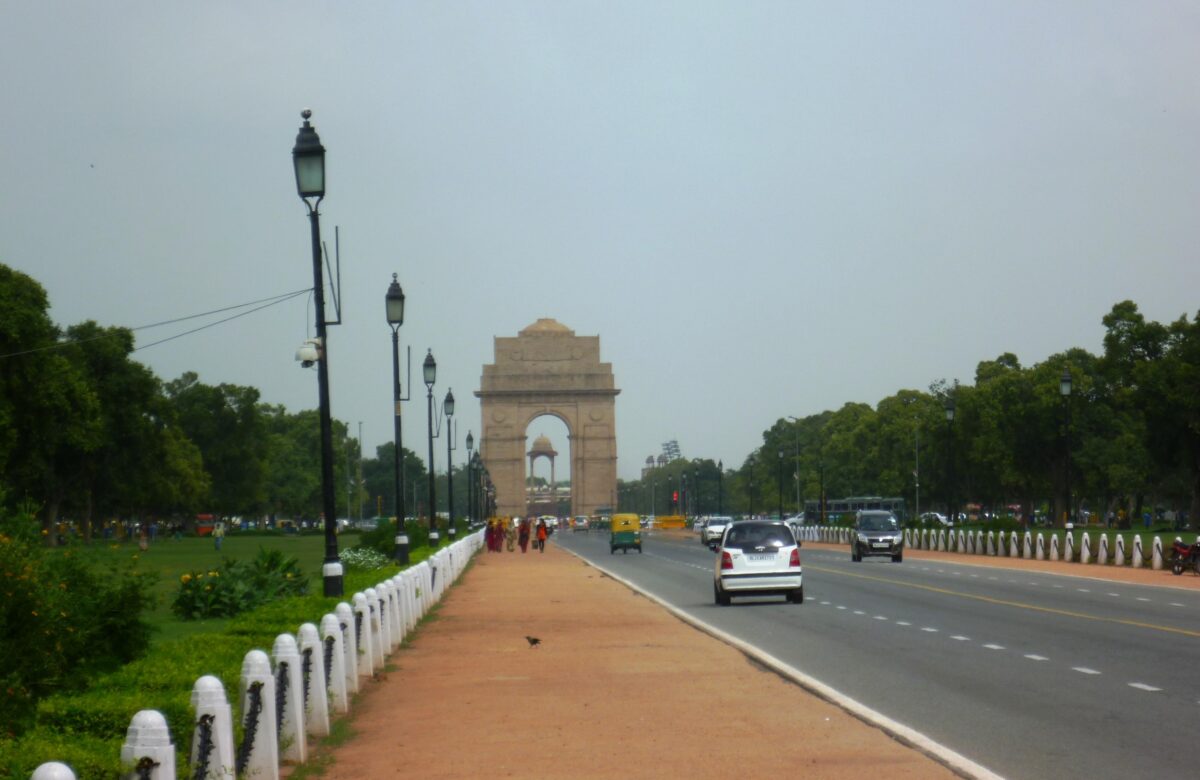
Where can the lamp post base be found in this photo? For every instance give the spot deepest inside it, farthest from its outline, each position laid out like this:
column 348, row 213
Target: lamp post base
column 400, row 553
column 433, row 539
column 332, row 574
column 452, row 532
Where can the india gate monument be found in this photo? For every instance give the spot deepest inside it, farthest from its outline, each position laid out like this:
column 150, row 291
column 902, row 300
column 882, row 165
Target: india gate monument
column 548, row 370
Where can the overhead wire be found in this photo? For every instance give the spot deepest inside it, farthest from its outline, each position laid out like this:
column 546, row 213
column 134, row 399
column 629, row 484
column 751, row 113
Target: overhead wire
column 266, row 303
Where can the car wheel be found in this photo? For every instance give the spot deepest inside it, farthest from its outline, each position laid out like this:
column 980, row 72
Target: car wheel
column 721, row 598
column 898, row 557
column 797, row 596
column 612, row 550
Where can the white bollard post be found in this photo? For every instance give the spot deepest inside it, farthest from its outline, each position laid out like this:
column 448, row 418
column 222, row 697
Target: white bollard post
column 381, row 625
column 1157, row 562
column 394, row 613
column 980, row 543
column 1027, row 547
column 333, row 658
column 148, row 746
column 212, row 740
column 258, row 755
column 52, row 770
column 1138, row 559
column 312, row 667
column 373, row 603
column 991, row 543
column 345, row 616
column 1054, row 555
column 362, row 634
column 1041, row 547
column 1014, row 547
column 1001, row 547
column 1085, row 548
column 1120, row 561
column 1102, row 556
column 289, row 698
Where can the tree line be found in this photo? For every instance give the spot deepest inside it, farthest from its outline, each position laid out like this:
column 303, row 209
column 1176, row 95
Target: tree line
column 1126, row 440
column 88, row 435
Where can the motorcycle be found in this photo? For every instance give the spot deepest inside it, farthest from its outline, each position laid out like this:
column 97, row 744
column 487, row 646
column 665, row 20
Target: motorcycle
column 1185, row 556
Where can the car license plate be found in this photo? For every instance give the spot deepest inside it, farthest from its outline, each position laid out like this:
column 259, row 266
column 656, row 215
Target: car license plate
column 879, row 544
column 767, row 557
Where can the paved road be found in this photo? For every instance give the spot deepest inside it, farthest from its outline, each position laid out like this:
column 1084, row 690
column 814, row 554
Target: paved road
column 1031, row 675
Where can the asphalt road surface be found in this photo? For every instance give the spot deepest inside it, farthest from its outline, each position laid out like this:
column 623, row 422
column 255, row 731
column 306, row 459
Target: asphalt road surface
column 1030, row 675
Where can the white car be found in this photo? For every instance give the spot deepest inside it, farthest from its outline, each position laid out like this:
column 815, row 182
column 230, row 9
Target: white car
column 758, row 558
column 714, row 529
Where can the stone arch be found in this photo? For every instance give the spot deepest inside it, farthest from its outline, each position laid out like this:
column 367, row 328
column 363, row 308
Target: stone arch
column 548, row 370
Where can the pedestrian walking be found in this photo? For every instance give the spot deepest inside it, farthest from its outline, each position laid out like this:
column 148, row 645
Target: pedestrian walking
column 542, row 533
column 523, row 534
column 510, row 535
column 218, row 534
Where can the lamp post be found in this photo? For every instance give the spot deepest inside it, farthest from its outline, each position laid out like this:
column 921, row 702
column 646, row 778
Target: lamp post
column 429, row 370
column 696, row 487
column 780, row 483
column 949, row 409
column 684, row 496
column 448, row 408
column 1064, row 389
column 720, row 487
column 394, row 306
column 470, row 480
column 821, row 487
column 308, row 161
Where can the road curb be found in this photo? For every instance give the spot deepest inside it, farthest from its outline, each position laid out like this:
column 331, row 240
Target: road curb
column 938, row 752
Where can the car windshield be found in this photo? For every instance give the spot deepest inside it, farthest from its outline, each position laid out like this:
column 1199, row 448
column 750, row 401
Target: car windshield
column 758, row 535
column 877, row 523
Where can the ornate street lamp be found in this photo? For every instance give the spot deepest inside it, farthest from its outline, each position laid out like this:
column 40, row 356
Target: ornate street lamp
column 720, row 487
column 394, row 306
column 950, row 509
column 470, row 479
column 780, row 483
column 1064, row 389
column 448, row 409
column 308, row 161
column 429, row 370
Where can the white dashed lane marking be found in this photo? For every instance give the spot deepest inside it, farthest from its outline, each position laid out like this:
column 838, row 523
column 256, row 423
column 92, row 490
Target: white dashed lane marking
column 994, row 647
column 1083, row 670
column 1144, row 687
column 961, row 638
column 929, row 630
column 1033, row 657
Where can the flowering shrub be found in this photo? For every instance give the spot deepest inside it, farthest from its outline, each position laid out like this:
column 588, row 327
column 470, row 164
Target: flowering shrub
column 236, row 586
column 364, row 559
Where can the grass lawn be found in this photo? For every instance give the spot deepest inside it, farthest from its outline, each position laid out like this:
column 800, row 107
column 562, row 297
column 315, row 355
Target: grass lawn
column 170, row 559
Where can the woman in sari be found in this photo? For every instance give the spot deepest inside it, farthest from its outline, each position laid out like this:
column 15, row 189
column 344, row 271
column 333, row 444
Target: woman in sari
column 523, row 534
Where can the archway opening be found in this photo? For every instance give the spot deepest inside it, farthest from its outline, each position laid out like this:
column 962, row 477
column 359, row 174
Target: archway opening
column 548, row 460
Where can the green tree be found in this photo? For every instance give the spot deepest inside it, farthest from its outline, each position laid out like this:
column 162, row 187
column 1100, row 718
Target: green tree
column 49, row 416
column 227, row 424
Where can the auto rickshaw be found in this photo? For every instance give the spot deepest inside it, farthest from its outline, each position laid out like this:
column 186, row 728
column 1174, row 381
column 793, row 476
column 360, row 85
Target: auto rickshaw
column 626, row 534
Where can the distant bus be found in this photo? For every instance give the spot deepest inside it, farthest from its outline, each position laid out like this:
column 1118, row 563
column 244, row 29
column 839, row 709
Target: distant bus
column 840, row 509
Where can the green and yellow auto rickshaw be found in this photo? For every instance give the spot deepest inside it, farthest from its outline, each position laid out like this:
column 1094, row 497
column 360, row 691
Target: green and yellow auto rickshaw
column 626, row 534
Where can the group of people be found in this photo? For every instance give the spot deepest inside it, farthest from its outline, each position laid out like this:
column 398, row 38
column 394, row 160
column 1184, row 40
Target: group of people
column 506, row 532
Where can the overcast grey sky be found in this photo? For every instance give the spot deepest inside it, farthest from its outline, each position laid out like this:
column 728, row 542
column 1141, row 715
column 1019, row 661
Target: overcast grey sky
column 762, row 208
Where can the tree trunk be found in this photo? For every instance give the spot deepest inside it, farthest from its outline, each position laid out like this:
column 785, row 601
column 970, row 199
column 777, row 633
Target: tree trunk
column 50, row 521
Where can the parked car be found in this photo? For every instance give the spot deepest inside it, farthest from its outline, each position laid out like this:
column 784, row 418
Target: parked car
column 876, row 532
column 714, row 528
column 758, row 558
column 936, row 517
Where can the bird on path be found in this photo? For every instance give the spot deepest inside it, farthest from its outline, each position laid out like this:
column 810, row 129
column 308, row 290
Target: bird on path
column 533, row 641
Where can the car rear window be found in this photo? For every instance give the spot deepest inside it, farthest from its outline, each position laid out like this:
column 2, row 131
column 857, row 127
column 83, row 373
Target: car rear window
column 751, row 535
